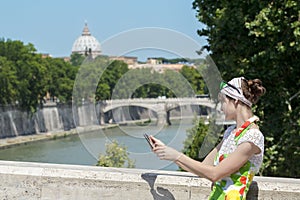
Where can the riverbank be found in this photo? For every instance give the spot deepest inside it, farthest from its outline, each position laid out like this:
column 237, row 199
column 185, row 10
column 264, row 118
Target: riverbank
column 26, row 139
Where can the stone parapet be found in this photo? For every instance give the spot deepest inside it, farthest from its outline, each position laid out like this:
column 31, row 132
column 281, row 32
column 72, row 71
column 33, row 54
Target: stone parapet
column 22, row 180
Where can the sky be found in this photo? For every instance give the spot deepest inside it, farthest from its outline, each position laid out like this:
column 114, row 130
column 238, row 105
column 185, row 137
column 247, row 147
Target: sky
column 52, row 26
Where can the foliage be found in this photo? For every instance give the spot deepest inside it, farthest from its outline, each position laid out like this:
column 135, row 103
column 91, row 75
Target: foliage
column 8, row 82
column 195, row 79
column 77, row 59
column 116, row 156
column 97, row 78
column 261, row 39
column 61, row 76
column 202, row 138
column 148, row 83
column 110, row 77
column 195, row 138
column 27, row 77
column 24, row 74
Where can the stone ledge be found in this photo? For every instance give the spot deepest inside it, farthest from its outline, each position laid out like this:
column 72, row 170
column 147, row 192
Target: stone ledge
column 23, row 180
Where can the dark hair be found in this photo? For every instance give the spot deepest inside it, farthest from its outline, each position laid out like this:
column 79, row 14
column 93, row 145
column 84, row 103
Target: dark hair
column 253, row 89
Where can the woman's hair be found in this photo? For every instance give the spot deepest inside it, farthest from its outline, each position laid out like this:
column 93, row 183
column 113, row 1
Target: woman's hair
column 253, row 89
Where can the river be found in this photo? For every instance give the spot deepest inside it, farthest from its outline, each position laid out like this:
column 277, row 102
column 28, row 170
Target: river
column 84, row 148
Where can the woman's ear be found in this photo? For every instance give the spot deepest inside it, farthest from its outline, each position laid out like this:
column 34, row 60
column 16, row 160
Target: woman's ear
column 236, row 102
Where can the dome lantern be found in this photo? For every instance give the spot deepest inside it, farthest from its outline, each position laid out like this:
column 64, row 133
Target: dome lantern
column 86, row 44
column 86, row 31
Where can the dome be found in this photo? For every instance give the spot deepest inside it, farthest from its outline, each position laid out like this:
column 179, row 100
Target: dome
column 86, row 43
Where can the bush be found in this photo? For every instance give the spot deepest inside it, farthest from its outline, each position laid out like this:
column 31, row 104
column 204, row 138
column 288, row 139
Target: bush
column 116, row 156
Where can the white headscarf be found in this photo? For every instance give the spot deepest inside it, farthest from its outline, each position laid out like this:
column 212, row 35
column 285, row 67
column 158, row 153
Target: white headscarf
column 236, row 93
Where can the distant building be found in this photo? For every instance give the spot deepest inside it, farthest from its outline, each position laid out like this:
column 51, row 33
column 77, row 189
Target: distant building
column 153, row 61
column 66, row 59
column 46, row 55
column 86, row 44
column 161, row 68
column 130, row 61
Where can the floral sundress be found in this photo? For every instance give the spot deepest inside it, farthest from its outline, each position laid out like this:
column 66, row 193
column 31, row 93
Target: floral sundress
column 236, row 186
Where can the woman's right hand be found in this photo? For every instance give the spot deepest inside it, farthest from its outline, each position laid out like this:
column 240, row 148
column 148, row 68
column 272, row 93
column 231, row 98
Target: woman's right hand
column 156, row 142
column 164, row 152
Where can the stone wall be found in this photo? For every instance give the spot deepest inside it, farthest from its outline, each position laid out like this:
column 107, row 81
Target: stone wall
column 20, row 180
column 54, row 117
column 50, row 118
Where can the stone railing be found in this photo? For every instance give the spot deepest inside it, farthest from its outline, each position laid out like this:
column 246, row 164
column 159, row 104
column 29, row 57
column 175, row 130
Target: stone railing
column 20, row 180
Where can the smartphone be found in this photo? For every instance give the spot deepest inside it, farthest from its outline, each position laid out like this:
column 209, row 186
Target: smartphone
column 148, row 140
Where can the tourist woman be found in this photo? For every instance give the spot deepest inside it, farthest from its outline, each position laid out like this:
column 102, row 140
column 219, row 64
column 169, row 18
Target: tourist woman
column 232, row 164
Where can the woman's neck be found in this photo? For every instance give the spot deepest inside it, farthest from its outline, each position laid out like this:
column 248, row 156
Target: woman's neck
column 243, row 114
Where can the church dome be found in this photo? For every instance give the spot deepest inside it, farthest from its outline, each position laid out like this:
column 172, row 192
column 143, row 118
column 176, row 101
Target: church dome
column 86, row 43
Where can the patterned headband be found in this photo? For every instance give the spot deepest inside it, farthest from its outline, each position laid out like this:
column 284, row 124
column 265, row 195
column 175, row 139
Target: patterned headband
column 234, row 90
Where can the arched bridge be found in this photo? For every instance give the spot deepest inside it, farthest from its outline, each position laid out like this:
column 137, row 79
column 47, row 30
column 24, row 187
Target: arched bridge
column 161, row 106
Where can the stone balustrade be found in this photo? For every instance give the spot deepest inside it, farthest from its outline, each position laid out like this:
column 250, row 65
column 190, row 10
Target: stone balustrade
column 21, row 180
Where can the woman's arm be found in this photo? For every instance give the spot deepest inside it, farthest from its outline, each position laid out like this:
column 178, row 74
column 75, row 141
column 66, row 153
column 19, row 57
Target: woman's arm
column 209, row 159
column 204, row 169
column 226, row 167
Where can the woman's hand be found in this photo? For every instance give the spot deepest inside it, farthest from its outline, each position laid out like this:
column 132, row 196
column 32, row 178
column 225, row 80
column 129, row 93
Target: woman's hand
column 164, row 152
column 156, row 142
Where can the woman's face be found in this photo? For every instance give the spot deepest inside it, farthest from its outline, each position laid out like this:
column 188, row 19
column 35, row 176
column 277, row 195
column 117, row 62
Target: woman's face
column 228, row 107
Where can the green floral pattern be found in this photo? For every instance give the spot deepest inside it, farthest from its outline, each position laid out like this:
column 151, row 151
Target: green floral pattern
column 236, row 186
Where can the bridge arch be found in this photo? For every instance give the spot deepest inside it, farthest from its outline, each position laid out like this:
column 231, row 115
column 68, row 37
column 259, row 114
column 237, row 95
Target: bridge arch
column 199, row 110
column 115, row 106
column 161, row 107
column 174, row 106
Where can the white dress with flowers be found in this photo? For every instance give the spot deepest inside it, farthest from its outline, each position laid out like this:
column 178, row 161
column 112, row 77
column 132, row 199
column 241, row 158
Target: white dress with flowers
column 236, row 186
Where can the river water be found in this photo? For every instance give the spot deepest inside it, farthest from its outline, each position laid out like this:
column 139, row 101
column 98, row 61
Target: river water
column 84, row 148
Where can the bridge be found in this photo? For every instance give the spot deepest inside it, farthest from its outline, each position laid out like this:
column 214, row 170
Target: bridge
column 160, row 106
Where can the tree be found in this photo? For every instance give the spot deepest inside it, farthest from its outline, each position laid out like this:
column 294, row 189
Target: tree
column 8, row 82
column 87, row 78
column 77, row 59
column 28, row 69
column 194, row 78
column 60, row 78
column 113, row 72
column 27, row 77
column 261, row 39
column 201, row 138
column 195, row 138
column 116, row 156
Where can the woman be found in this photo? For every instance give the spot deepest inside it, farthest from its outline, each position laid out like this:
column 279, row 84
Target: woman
column 232, row 164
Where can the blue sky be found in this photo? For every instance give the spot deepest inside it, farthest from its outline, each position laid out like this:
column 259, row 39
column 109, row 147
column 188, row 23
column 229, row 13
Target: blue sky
column 53, row 25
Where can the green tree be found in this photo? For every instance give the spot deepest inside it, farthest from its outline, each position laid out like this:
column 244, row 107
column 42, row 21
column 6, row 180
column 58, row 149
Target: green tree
column 60, row 78
column 116, row 156
column 195, row 138
column 8, row 82
column 112, row 74
column 195, row 79
column 27, row 77
column 261, row 39
column 177, row 84
column 202, row 138
column 77, row 59
column 147, row 83
column 87, row 78
column 29, row 71
column 96, row 78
